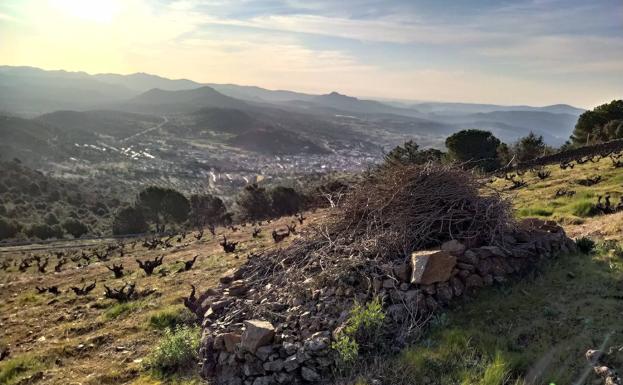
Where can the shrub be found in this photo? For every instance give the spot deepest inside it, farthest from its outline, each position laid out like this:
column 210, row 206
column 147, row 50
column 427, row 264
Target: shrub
column 585, row 245
column 176, row 352
column 361, row 332
column 18, row 366
column 129, row 220
column 75, row 227
column 172, row 318
column 286, row 201
column 7, row 229
column 584, row 209
column 254, row 203
column 44, row 231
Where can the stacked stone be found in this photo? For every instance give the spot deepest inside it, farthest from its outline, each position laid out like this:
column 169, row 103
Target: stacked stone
column 260, row 335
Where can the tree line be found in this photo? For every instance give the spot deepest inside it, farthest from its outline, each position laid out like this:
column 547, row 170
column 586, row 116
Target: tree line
column 480, row 149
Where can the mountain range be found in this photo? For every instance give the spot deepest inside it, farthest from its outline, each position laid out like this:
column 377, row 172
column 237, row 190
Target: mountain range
column 29, row 92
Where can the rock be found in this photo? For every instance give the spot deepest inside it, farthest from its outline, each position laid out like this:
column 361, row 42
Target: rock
column 453, row 247
column 466, row 266
column 316, row 343
column 469, row 257
column 484, row 266
column 284, row 378
column 252, row 368
column 431, row 304
column 309, row 375
column 487, row 279
column 402, row 272
column 273, row 366
column 264, row 380
column 431, row 266
column 474, row 280
column 257, row 333
column 389, row 283
column 444, row 292
column 263, row 352
column 291, row 363
column 457, row 286
column 230, row 341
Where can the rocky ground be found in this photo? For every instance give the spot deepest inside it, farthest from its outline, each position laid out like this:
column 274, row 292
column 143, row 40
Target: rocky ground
column 70, row 339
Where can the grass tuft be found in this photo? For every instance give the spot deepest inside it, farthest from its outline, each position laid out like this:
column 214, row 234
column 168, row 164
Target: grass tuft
column 177, row 351
column 171, row 318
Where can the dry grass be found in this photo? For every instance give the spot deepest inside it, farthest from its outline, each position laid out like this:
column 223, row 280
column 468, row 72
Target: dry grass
column 93, row 340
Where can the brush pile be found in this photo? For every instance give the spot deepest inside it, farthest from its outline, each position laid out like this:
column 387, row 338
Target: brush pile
column 273, row 320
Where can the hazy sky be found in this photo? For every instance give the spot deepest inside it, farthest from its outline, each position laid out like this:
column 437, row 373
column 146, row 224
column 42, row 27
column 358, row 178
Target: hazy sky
column 532, row 52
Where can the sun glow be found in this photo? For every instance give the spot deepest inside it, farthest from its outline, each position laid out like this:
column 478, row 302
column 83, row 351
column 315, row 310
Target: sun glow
column 99, row 11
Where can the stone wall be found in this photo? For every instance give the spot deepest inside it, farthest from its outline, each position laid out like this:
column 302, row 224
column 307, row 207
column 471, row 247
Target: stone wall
column 291, row 342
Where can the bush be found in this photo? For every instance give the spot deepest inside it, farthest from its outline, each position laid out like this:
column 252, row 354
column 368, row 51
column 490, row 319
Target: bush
column 129, row 220
column 584, row 209
column 254, row 203
column 7, row 229
column 176, row 352
column 172, row 318
column 44, row 231
column 362, row 331
column 286, row 201
column 75, row 227
column 585, row 245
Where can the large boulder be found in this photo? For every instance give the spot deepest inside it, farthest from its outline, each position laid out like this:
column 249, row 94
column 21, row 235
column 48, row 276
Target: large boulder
column 431, row 266
column 257, row 333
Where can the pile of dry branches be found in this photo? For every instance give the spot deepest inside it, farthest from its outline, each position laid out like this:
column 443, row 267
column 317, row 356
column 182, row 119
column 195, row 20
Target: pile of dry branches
column 391, row 213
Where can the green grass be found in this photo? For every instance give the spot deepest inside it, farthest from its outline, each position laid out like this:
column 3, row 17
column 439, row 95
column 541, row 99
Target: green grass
column 538, row 197
column 176, row 352
column 15, row 369
column 534, row 330
column 535, row 211
column 121, row 309
column 171, row 317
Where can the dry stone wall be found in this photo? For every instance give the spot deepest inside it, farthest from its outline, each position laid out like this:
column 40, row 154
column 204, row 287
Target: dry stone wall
column 291, row 342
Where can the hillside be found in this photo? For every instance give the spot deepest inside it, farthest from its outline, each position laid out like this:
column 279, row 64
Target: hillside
column 30, row 199
column 88, row 125
column 163, row 101
column 28, row 140
column 533, row 328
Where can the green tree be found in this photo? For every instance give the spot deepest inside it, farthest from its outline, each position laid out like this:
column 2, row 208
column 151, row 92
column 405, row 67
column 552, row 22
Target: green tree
column 44, row 231
column 129, row 220
column 505, row 154
column 591, row 124
column 207, row 209
column 7, row 229
column 410, row 153
column 75, row 227
column 254, row 203
column 530, row 147
column 51, row 219
column 475, row 148
column 163, row 205
column 286, row 201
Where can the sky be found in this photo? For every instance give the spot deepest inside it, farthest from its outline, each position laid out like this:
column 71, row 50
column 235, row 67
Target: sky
column 534, row 52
